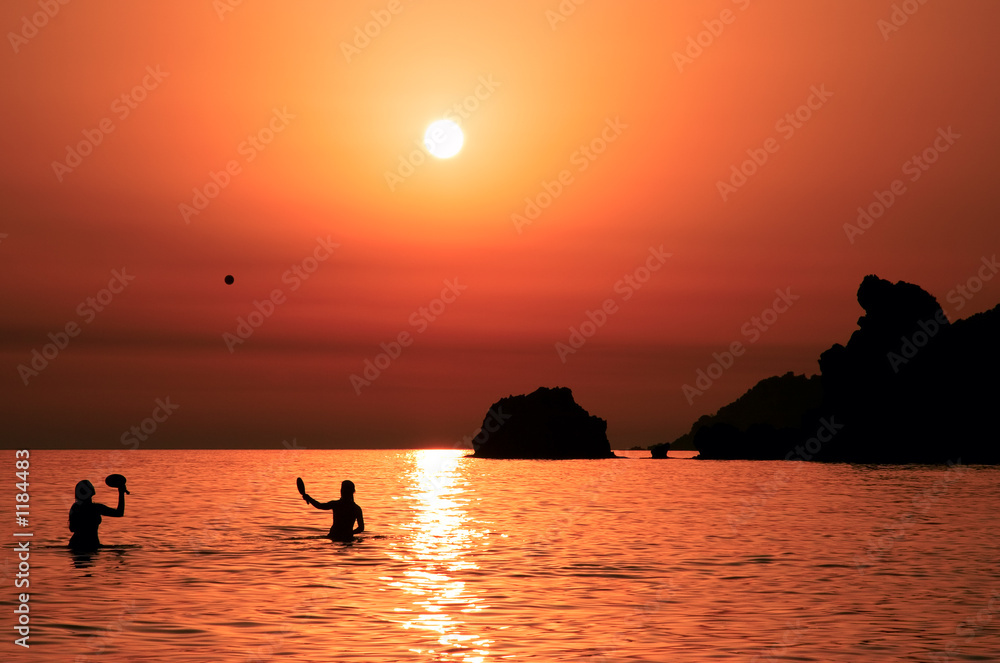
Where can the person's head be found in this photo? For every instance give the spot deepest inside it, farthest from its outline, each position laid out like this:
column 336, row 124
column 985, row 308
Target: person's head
column 347, row 489
column 84, row 491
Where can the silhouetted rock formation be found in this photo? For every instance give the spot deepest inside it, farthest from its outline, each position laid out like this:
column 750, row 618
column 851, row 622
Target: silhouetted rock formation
column 659, row 450
column 546, row 423
column 757, row 423
column 909, row 387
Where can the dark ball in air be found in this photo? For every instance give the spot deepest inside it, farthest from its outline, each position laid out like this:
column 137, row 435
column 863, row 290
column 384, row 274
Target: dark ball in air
column 229, row 279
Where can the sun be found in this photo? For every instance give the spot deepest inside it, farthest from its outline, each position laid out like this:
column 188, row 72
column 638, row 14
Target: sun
column 444, row 139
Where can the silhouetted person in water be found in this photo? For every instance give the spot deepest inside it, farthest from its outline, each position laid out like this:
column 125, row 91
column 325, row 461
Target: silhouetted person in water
column 85, row 516
column 345, row 512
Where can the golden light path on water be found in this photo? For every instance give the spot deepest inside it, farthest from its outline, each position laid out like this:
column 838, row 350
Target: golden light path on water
column 437, row 550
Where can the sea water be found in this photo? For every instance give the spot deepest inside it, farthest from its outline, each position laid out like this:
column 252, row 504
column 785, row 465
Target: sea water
column 218, row 558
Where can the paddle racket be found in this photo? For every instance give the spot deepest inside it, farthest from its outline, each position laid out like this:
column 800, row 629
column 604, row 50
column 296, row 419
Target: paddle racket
column 116, row 481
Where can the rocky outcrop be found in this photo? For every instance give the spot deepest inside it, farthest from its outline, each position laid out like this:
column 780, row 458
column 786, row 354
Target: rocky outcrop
column 546, row 423
column 908, row 387
column 911, row 387
column 756, row 423
column 659, row 450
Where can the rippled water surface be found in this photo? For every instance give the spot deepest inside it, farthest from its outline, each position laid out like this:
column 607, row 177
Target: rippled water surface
column 219, row 559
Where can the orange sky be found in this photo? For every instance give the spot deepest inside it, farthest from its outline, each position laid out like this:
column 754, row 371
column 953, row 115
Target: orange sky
column 310, row 128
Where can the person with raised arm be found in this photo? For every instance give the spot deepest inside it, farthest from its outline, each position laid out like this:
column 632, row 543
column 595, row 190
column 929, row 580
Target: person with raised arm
column 85, row 516
column 345, row 512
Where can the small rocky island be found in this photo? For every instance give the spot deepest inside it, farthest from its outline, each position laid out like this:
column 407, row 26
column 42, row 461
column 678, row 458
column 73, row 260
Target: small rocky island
column 545, row 424
column 659, row 450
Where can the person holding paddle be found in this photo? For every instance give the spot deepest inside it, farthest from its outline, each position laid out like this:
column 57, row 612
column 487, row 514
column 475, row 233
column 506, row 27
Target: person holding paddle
column 85, row 514
column 345, row 511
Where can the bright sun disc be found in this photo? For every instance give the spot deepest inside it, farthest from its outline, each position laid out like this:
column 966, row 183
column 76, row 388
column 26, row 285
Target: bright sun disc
column 443, row 139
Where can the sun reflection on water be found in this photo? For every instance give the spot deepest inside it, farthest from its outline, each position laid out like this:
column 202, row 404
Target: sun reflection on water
column 434, row 553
